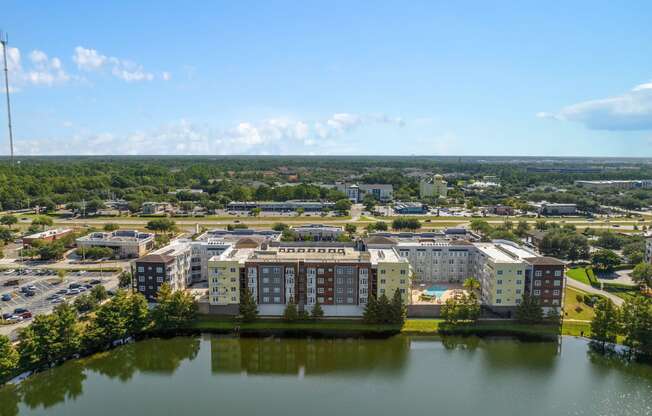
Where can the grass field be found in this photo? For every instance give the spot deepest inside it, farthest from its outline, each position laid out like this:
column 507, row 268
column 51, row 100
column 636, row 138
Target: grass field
column 573, row 309
column 582, row 274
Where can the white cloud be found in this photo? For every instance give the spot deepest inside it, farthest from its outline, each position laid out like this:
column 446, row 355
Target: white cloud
column 271, row 136
column 88, row 59
column 629, row 111
column 40, row 70
column 166, row 76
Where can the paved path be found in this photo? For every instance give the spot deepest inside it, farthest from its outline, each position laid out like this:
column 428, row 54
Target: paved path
column 590, row 289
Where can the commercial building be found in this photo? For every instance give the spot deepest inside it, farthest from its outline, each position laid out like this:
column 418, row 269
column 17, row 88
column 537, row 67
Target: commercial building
column 625, row 184
column 170, row 264
column 648, row 248
column 49, row 236
column 500, row 210
column 273, row 206
column 336, row 275
column 433, row 186
column 357, row 192
column 156, row 208
column 406, row 208
column 317, row 232
column 126, row 244
column 548, row 208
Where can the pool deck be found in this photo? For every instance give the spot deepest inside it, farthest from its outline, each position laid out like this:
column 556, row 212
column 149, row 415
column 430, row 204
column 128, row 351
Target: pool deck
column 419, row 289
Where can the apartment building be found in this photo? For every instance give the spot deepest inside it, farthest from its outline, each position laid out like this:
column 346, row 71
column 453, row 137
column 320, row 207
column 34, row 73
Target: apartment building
column 434, row 186
column 648, row 248
column 548, row 208
column 501, row 275
column 336, row 275
column 214, row 242
column 624, row 184
column 170, row 264
column 126, row 244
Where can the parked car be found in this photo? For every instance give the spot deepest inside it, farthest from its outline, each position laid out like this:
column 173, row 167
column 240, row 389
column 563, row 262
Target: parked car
column 95, row 282
column 53, row 297
column 6, row 315
column 30, row 288
column 73, row 292
column 6, row 297
column 26, row 315
column 15, row 318
column 57, row 300
column 12, row 282
column 74, row 286
column 10, row 271
column 18, row 311
column 30, row 293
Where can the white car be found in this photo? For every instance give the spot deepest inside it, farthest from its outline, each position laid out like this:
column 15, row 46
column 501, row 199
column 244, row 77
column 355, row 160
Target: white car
column 10, row 271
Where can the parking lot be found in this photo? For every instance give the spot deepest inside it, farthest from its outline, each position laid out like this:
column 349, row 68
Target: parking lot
column 38, row 292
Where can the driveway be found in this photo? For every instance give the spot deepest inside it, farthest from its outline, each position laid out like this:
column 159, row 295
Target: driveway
column 590, row 289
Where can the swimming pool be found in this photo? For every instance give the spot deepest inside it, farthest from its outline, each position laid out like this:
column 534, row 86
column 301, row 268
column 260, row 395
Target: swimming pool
column 436, row 291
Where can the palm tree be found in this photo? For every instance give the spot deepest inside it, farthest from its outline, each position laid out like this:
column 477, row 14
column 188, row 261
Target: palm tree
column 472, row 284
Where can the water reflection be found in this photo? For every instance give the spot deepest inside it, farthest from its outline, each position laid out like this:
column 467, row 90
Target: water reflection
column 309, row 357
column 50, row 387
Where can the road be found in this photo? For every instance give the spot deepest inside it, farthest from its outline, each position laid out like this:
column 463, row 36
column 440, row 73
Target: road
column 590, row 289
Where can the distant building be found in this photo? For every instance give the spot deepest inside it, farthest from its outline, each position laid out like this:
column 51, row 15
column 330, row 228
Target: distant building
column 357, row 192
column 126, row 244
column 556, row 169
column 548, row 208
column 274, row 206
column 434, row 186
column 155, row 208
column 406, row 208
column 317, row 232
column 648, row 248
column 500, row 210
column 599, row 185
column 170, row 264
column 49, row 236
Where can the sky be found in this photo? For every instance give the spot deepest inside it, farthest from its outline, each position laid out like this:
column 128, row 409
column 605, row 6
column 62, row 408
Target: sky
column 331, row 77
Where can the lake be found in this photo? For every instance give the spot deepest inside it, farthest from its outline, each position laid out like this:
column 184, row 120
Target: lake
column 401, row 376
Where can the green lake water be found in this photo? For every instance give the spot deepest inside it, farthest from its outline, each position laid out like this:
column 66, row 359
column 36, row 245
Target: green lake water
column 218, row 375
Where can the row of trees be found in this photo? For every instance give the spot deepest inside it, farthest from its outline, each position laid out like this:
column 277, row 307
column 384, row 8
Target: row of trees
column 632, row 322
column 385, row 311
column 63, row 334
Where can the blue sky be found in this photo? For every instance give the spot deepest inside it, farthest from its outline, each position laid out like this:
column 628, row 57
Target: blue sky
column 336, row 77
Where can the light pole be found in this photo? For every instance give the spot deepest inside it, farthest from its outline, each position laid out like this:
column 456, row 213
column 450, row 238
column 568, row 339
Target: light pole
column 4, row 40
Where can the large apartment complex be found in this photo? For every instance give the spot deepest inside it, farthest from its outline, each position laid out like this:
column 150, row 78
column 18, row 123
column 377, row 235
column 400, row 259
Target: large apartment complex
column 170, row 264
column 506, row 271
column 433, row 186
column 336, row 275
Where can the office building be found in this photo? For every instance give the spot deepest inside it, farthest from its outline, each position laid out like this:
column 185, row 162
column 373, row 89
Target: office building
column 434, row 186
column 48, row 236
column 126, row 244
column 317, row 232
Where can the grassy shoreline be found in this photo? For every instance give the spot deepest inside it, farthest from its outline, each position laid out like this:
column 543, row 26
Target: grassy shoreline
column 413, row 327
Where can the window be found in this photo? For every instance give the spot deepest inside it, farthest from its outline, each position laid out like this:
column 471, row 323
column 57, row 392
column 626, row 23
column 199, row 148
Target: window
column 277, row 299
column 555, row 292
column 500, row 282
column 518, row 282
column 265, row 279
column 320, row 299
column 517, row 291
column 402, row 291
column 141, row 278
column 499, row 291
column 382, row 271
column 320, row 290
column 402, row 281
column 499, row 272
column 555, row 301
column 232, row 289
column 499, row 300
column 557, row 282
column 382, row 281
column 320, row 271
column 232, row 269
column 265, row 290
column 141, row 288
column 141, row 269
column 382, row 291
column 537, row 292
column 538, row 273
column 557, row 273
column 265, row 299
column 320, row 280
column 537, row 283
column 159, row 270
column 403, row 271
column 519, row 272
column 277, row 290
column 159, row 279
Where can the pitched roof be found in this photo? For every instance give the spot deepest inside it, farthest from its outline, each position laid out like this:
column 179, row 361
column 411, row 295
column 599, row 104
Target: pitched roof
column 155, row 258
column 544, row 261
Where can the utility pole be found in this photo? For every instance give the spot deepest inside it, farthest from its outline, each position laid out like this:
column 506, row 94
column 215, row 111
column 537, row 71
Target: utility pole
column 4, row 40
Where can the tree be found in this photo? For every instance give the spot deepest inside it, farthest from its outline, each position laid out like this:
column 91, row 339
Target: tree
column 402, row 223
column 85, row 303
column 636, row 318
column 42, row 221
column 8, row 358
column 280, row 227
column 471, row 284
column 529, row 310
column 111, row 227
column 522, row 228
column 605, row 260
column 6, row 235
column 398, row 308
column 248, row 307
column 99, row 293
column 541, row 225
column 380, row 226
column 370, row 314
column 350, row 229
column 604, row 326
column 369, row 202
column 94, row 253
column 480, row 226
column 256, row 211
column 300, row 211
column 8, row 220
column 609, row 240
column 317, row 312
column 384, row 312
column 173, row 309
column 124, row 280
column 290, row 313
column 342, row 206
column 642, row 274
column 164, row 225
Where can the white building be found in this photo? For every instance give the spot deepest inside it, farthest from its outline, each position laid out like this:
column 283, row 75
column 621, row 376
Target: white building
column 433, row 186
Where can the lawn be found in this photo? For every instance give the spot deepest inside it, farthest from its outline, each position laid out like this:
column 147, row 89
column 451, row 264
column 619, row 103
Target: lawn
column 574, row 309
column 582, row 274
